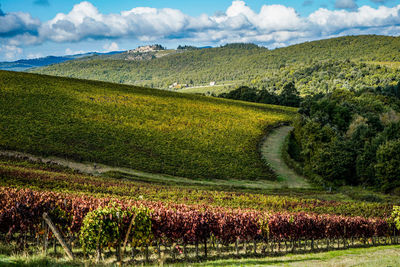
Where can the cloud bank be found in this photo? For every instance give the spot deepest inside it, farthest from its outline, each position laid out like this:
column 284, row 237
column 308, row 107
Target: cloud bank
column 272, row 25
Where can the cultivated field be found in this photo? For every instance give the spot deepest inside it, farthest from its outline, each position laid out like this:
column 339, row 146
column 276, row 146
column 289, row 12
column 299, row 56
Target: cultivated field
column 144, row 129
column 113, row 174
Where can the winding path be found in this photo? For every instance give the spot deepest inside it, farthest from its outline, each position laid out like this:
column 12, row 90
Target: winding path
column 102, row 169
column 270, row 150
column 271, row 153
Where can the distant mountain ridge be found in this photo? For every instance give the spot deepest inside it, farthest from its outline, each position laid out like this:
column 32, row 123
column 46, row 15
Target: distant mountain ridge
column 24, row 64
column 140, row 53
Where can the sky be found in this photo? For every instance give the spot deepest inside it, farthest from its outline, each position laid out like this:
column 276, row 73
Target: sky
column 37, row 28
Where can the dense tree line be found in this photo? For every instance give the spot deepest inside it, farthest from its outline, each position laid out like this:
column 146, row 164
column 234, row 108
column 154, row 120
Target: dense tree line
column 327, row 76
column 289, row 96
column 348, row 137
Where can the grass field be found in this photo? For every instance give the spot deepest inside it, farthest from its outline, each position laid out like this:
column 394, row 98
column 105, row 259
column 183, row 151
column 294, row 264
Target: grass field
column 374, row 257
column 222, row 87
column 144, row 129
column 395, row 64
column 216, row 89
column 378, row 256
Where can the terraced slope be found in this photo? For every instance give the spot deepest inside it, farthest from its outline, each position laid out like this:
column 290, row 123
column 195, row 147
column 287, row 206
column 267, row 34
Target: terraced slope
column 143, row 129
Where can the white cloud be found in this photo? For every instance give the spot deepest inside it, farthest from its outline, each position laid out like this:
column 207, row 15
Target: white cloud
column 10, row 52
column 69, row 51
column 111, row 47
column 17, row 23
column 365, row 17
column 272, row 25
column 85, row 21
column 34, row 55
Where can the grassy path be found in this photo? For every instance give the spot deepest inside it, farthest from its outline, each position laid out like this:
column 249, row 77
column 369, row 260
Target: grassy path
column 271, row 152
column 104, row 170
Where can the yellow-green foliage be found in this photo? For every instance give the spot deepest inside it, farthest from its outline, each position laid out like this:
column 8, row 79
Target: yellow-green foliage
column 395, row 218
column 101, row 227
column 107, row 226
column 144, row 129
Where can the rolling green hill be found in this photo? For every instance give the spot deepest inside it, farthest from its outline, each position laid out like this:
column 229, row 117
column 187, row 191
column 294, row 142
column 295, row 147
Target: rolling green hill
column 235, row 62
column 144, row 129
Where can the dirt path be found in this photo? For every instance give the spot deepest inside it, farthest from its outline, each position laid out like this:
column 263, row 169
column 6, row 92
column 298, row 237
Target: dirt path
column 271, row 152
column 100, row 169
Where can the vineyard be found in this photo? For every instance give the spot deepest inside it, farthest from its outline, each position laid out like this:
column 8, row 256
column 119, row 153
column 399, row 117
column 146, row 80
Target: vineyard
column 110, row 174
column 143, row 129
column 147, row 226
column 47, row 177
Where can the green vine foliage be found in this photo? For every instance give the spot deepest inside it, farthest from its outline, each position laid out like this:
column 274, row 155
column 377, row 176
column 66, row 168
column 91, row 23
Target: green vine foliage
column 100, row 228
column 141, row 231
column 108, row 226
column 264, row 227
column 61, row 218
column 395, row 218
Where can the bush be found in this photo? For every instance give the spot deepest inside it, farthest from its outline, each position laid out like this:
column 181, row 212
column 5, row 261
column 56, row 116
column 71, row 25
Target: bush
column 395, row 218
column 101, row 228
column 108, row 227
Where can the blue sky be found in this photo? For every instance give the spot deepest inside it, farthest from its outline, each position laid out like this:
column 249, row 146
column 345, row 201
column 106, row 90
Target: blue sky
column 35, row 28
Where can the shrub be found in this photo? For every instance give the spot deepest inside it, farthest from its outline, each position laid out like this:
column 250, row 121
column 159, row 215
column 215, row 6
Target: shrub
column 101, row 228
column 395, row 218
column 108, row 227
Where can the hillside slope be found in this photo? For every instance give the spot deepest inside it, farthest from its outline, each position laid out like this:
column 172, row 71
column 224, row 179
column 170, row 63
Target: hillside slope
column 234, row 62
column 144, row 129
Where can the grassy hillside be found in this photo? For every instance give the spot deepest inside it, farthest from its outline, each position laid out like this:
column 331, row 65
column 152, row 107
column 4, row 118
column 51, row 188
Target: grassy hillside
column 144, row 129
column 235, row 62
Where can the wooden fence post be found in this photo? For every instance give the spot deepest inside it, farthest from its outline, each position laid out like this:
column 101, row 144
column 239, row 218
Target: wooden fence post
column 58, row 235
column 185, row 251
column 147, row 254
column 46, row 239
column 205, row 248
column 237, row 247
column 159, row 249
column 127, row 235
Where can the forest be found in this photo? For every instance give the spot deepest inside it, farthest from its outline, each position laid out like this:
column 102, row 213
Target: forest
column 347, row 130
column 348, row 137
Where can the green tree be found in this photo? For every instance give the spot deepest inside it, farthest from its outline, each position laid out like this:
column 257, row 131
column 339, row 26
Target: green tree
column 388, row 164
column 289, row 95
